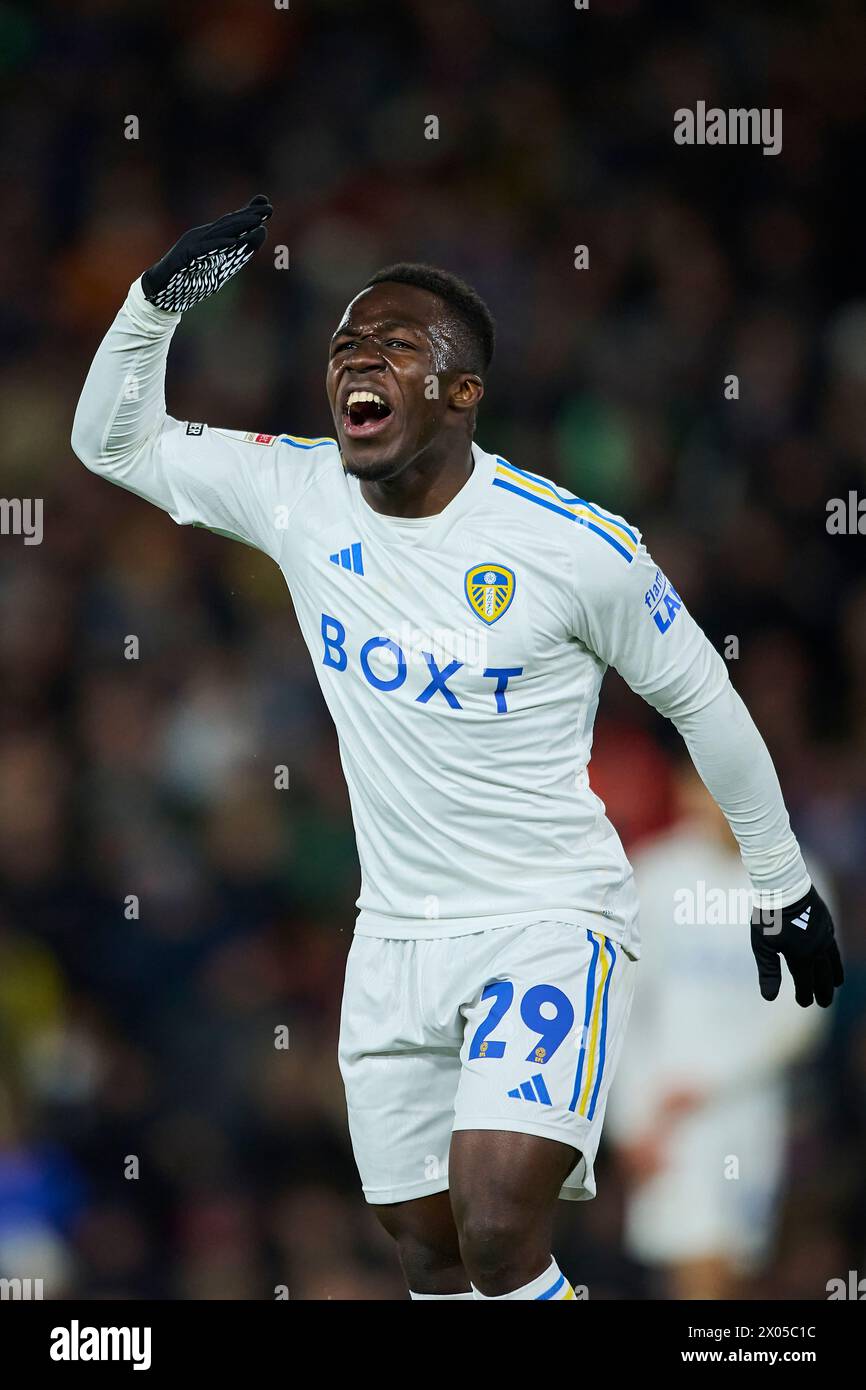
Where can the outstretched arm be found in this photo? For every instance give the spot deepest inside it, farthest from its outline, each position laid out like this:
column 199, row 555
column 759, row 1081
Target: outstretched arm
column 630, row 615
column 790, row 919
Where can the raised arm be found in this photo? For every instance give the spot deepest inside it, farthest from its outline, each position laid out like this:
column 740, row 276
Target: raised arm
column 200, row 476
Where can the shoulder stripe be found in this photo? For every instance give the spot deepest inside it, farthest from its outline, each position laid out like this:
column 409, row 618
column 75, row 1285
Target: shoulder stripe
column 625, row 547
column 568, row 501
column 535, row 483
column 298, row 441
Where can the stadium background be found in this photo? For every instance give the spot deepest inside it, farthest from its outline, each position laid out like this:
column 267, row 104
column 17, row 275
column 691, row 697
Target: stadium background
column 154, row 1037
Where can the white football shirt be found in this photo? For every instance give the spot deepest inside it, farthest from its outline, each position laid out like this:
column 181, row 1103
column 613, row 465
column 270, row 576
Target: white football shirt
column 461, row 655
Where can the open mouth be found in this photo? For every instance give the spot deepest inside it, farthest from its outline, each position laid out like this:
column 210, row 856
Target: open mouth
column 365, row 413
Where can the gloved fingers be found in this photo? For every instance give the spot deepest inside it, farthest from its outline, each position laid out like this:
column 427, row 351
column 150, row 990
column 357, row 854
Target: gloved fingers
column 254, row 239
column 823, row 978
column 233, row 225
column 258, row 209
column 769, row 968
column 836, row 967
column 236, row 252
column 802, row 973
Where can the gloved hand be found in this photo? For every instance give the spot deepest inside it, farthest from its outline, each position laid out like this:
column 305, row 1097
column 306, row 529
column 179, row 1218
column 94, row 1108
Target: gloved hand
column 206, row 257
column 803, row 934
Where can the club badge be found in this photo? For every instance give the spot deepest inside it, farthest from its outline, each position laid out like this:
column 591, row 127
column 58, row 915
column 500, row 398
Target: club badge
column 489, row 589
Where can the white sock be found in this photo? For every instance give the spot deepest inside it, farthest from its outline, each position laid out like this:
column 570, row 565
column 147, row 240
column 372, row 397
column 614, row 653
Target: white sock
column 550, row 1285
column 417, row 1297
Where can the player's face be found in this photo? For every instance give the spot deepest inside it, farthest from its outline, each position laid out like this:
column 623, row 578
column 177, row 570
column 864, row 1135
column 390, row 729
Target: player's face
column 389, row 387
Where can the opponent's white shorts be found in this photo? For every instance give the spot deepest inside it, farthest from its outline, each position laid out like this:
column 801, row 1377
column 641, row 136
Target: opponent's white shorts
column 700, row 1204
column 512, row 1028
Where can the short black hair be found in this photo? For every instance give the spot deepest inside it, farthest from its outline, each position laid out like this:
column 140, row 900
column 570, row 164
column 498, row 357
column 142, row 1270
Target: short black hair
column 477, row 336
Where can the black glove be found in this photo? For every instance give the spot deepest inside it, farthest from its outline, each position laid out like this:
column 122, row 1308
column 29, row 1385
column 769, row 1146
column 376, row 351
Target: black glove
column 803, row 934
column 206, row 257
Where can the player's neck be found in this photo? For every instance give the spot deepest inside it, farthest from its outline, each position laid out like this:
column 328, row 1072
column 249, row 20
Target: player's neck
column 424, row 488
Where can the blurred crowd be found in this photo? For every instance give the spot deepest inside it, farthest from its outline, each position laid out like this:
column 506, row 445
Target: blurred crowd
column 164, row 908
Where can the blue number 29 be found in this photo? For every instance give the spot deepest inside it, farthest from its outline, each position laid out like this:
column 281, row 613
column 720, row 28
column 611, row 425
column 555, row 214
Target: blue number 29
column 502, row 992
column 551, row 1032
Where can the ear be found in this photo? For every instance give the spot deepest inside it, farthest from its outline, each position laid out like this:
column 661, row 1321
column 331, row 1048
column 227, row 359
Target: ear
column 465, row 391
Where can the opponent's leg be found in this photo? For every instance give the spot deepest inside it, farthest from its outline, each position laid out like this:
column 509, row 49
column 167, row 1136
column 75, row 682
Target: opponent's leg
column 504, row 1189
column 428, row 1246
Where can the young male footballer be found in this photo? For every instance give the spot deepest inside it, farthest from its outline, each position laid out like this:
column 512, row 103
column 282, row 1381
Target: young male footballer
column 460, row 611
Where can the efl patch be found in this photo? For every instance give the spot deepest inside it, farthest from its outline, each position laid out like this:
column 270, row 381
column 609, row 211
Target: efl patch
column 490, row 589
column 260, row 438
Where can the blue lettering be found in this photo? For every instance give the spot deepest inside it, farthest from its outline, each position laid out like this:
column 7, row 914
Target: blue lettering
column 334, row 643
column 672, row 604
column 400, row 675
column 336, row 656
column 502, row 675
column 438, row 682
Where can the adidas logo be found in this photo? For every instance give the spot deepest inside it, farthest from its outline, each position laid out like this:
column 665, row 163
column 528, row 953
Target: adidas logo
column 349, row 559
column 803, row 919
column 533, row 1089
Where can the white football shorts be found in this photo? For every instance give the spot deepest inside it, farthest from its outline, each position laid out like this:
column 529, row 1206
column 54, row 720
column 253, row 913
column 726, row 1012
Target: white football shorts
column 511, row 1028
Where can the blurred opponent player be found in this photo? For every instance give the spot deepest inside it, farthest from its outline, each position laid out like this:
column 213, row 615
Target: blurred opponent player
column 460, row 611
column 700, row 1105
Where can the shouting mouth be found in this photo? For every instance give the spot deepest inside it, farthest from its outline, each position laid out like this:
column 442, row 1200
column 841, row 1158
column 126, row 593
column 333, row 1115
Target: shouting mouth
column 365, row 413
